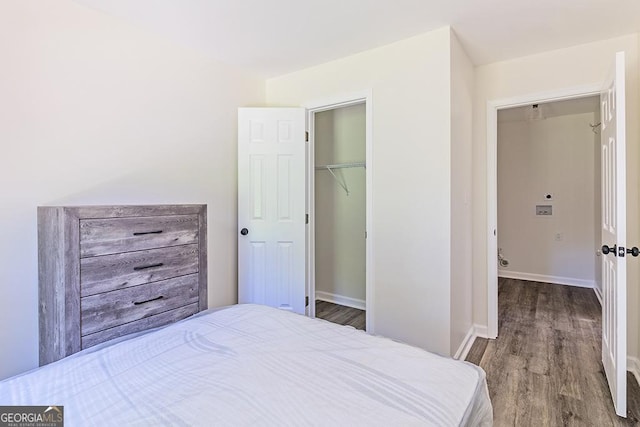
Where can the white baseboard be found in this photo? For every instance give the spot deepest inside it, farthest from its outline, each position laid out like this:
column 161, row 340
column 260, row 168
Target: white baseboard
column 465, row 345
column 342, row 300
column 558, row 280
column 476, row 331
column 633, row 366
column 481, row 331
column 598, row 293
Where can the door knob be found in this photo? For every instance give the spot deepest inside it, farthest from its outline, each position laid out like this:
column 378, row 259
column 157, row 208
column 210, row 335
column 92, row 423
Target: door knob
column 634, row 251
column 244, row 231
column 606, row 249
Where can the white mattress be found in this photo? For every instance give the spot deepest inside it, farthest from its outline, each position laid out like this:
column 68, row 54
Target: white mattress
column 254, row 365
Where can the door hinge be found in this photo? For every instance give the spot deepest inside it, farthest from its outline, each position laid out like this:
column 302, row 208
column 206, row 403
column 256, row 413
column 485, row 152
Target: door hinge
column 306, row 136
column 365, row 234
column 306, row 301
column 306, row 218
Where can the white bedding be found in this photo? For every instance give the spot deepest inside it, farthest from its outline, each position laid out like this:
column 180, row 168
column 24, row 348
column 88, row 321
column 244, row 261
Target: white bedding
column 255, row 365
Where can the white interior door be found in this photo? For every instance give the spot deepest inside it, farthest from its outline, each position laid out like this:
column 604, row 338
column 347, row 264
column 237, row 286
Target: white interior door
column 614, row 267
column 271, row 207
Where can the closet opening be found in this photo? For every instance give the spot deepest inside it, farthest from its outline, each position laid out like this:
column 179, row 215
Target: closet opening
column 339, row 206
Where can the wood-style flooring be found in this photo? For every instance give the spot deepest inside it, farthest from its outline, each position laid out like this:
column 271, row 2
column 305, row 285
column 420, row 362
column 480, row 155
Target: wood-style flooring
column 340, row 314
column 544, row 368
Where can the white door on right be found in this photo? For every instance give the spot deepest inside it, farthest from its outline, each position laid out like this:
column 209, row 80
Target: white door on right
column 614, row 229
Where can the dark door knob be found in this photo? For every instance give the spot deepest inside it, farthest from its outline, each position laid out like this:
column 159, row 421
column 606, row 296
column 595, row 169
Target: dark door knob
column 244, row 231
column 633, row 251
column 606, row 249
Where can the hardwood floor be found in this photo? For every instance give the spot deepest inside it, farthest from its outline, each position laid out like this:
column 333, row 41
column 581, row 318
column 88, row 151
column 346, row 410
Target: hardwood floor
column 544, row 368
column 340, row 314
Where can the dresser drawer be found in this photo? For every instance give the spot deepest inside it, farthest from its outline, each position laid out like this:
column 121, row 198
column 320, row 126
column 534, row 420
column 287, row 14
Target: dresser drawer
column 116, row 235
column 139, row 325
column 110, row 309
column 111, row 272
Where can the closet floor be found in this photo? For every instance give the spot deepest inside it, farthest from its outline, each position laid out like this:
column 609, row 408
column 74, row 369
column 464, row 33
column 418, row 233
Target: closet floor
column 340, row 314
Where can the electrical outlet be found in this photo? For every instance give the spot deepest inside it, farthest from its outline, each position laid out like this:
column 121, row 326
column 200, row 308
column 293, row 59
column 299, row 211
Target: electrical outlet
column 544, row 210
column 559, row 237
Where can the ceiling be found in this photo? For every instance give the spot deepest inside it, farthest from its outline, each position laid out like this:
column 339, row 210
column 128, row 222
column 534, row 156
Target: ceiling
column 274, row 37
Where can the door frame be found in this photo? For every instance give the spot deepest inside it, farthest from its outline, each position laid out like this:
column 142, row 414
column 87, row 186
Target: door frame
column 332, row 104
column 492, row 181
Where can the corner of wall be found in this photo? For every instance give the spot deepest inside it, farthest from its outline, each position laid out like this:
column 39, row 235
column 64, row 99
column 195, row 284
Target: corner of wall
column 461, row 122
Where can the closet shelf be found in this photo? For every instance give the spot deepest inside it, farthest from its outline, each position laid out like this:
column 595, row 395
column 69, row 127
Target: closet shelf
column 343, row 165
column 342, row 183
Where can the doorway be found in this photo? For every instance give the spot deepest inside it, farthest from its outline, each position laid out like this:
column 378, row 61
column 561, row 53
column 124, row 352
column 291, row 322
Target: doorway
column 493, row 107
column 613, row 196
column 549, row 206
column 340, row 214
column 339, row 177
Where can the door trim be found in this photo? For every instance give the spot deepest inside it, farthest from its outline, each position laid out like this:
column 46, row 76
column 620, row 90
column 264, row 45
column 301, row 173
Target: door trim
column 492, row 181
column 332, row 103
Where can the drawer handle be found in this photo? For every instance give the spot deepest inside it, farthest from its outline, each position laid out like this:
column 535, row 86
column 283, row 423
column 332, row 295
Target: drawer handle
column 144, row 267
column 149, row 300
column 142, row 233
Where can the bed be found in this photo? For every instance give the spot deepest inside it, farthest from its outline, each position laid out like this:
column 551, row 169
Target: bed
column 256, row 365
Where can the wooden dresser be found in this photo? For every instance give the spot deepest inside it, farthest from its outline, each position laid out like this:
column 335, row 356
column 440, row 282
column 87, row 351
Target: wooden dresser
column 107, row 271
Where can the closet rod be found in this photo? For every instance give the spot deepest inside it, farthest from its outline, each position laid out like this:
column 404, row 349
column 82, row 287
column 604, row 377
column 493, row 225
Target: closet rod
column 343, row 165
column 341, row 182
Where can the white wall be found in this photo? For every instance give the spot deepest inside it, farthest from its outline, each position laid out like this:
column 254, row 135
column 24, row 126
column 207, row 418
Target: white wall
column 340, row 218
column 410, row 84
column 93, row 111
column 539, row 74
column 462, row 88
column 551, row 156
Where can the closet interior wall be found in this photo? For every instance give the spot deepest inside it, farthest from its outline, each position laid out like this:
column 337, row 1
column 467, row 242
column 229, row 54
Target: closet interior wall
column 340, row 205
